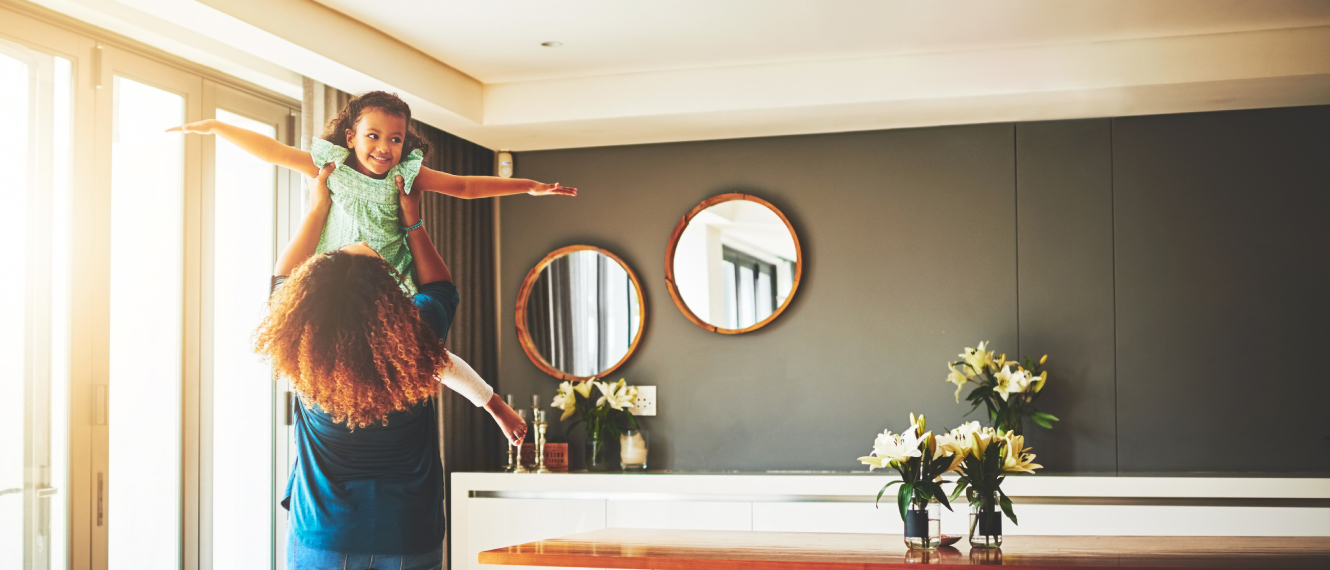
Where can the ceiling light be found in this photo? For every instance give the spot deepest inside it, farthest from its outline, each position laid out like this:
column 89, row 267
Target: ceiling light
column 551, row 44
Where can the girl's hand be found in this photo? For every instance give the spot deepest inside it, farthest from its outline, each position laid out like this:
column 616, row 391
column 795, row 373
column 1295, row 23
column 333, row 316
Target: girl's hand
column 409, row 203
column 319, row 194
column 552, row 190
column 513, row 426
column 203, row 127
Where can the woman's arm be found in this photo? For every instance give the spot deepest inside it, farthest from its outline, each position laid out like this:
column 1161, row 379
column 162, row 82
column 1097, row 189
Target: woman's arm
column 306, row 240
column 469, row 187
column 264, row 147
column 429, row 265
column 461, row 378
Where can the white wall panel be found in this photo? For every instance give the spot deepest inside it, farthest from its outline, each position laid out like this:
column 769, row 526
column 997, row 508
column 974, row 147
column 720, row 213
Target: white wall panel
column 1137, row 520
column 495, row 523
column 681, row 515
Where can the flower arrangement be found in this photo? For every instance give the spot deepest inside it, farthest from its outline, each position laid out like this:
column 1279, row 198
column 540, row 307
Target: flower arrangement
column 1006, row 388
column 604, row 420
column 920, row 458
column 987, row 456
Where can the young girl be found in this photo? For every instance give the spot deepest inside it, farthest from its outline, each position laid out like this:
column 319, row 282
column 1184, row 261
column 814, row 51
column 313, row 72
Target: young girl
column 372, row 145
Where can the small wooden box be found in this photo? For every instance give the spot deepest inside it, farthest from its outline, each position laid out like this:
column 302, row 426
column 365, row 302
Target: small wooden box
column 556, row 456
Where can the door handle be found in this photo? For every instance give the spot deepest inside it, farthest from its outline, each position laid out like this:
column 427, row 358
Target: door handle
column 46, row 492
column 4, row 492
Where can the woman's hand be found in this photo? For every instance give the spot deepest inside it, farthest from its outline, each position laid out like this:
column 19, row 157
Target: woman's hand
column 513, row 426
column 409, row 203
column 319, row 194
column 204, row 127
column 552, row 190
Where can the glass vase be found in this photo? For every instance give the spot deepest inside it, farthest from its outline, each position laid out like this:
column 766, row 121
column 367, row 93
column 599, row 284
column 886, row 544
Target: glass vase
column 985, row 519
column 633, row 445
column 596, row 461
column 923, row 525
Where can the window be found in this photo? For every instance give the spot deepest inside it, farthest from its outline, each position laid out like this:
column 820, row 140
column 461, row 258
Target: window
column 750, row 288
column 144, row 272
column 34, row 309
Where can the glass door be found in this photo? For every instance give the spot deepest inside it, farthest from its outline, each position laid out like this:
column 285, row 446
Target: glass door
column 35, row 107
column 152, row 214
column 244, row 444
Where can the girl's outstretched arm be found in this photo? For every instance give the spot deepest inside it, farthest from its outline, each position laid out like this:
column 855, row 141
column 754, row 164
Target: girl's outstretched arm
column 306, row 240
column 262, row 146
column 469, row 187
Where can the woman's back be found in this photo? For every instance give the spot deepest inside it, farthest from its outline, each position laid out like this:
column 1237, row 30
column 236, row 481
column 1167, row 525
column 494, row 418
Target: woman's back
column 383, row 484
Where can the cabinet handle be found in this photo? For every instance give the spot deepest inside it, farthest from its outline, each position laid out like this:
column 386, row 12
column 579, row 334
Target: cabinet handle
column 100, row 502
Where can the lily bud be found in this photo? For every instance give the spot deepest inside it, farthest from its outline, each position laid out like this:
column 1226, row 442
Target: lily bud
column 1043, row 360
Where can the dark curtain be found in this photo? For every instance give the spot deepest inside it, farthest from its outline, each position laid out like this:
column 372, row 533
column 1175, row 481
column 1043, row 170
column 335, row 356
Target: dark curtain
column 562, row 341
column 550, row 314
column 463, row 232
column 538, row 315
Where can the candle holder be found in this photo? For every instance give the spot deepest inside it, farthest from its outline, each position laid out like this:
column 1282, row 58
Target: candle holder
column 540, row 427
column 515, row 451
column 633, row 444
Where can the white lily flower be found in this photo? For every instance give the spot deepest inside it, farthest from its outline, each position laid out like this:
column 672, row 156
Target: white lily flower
column 619, row 395
column 565, row 400
column 890, row 447
column 1006, row 384
column 1043, row 377
column 1015, row 456
column 959, row 378
column 964, row 430
column 584, row 387
column 977, row 359
column 1021, row 379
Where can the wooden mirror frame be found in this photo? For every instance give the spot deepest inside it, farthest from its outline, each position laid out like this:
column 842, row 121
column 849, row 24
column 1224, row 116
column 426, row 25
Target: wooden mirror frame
column 524, row 334
column 674, row 243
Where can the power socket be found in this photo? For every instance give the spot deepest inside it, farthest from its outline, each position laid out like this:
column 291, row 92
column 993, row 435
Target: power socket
column 645, row 404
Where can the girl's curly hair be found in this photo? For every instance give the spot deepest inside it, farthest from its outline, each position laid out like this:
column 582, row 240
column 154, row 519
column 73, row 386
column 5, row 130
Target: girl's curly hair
column 389, row 103
column 349, row 340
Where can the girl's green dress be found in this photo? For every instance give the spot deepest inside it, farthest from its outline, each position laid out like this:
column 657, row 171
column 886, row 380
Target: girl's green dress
column 365, row 209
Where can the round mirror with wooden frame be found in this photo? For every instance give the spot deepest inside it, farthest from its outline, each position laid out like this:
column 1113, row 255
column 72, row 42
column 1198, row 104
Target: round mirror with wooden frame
column 733, row 264
column 580, row 313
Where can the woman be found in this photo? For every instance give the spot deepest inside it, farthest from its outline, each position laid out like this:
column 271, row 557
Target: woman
column 365, row 359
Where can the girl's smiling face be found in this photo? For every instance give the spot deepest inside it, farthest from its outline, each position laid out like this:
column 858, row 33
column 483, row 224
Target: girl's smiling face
column 377, row 142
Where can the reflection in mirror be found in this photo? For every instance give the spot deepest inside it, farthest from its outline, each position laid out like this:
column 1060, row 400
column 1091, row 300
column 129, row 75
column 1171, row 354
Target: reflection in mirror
column 735, row 264
column 583, row 313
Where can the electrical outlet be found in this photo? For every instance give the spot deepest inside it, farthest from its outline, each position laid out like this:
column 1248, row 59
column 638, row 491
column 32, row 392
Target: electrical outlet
column 645, row 404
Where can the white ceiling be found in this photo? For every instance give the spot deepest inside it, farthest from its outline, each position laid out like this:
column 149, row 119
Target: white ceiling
column 498, row 41
column 647, row 71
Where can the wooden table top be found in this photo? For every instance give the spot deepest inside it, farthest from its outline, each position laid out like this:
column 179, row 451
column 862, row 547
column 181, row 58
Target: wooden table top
column 749, row 550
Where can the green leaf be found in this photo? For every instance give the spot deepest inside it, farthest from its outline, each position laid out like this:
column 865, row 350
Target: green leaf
column 1041, row 422
column 884, row 490
column 937, row 492
column 1046, row 416
column 960, row 488
column 903, row 497
column 1006, row 506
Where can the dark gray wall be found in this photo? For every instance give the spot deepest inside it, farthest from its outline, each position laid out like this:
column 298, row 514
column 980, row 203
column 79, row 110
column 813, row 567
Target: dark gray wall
column 1172, row 267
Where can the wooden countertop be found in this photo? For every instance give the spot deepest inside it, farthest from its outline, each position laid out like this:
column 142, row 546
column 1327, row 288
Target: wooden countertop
column 733, row 550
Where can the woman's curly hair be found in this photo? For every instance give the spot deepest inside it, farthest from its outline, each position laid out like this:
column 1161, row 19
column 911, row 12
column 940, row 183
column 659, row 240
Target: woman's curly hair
column 349, row 340
column 389, row 103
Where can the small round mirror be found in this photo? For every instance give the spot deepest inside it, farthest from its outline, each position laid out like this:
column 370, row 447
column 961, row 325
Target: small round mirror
column 580, row 313
column 733, row 264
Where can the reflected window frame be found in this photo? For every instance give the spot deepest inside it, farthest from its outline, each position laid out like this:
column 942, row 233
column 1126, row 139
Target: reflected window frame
column 673, row 245
column 525, row 337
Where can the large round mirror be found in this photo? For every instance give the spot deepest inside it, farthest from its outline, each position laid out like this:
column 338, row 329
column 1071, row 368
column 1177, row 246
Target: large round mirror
column 733, row 263
column 580, row 313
